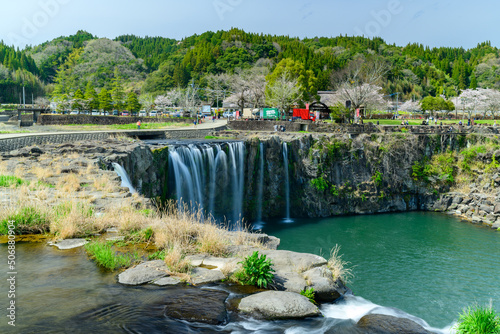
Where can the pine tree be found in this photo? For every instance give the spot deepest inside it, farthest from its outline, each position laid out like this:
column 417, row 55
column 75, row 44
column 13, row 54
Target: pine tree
column 91, row 98
column 117, row 91
column 473, row 81
column 133, row 102
column 105, row 100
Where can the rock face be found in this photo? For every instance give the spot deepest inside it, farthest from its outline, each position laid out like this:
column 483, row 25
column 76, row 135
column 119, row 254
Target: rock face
column 202, row 276
column 278, row 305
column 385, row 324
column 143, row 273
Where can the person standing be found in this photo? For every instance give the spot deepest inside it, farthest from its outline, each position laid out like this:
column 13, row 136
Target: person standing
column 139, row 125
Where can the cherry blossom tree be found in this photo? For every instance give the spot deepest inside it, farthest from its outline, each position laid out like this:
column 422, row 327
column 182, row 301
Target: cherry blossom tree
column 472, row 100
column 492, row 102
column 162, row 102
column 366, row 95
column 410, row 106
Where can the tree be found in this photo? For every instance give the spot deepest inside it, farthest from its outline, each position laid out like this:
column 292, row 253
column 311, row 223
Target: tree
column 105, row 100
column 78, row 100
column 147, row 101
column 492, row 101
column 117, row 92
column 218, row 85
column 162, row 102
column 295, row 70
column 90, row 97
column 410, row 106
column 42, row 102
column 366, row 95
column 283, row 93
column 358, row 82
column 133, row 104
column 430, row 103
column 472, row 100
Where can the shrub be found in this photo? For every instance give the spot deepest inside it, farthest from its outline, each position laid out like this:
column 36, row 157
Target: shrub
column 27, row 219
column 320, row 184
column 309, row 293
column 377, row 179
column 478, row 320
column 258, row 270
column 338, row 266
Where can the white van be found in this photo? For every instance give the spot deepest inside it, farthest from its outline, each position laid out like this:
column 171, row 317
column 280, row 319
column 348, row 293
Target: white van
column 142, row 113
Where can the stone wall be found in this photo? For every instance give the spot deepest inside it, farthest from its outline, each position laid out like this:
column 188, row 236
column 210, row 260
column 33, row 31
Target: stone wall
column 267, row 125
column 10, row 144
column 50, row 119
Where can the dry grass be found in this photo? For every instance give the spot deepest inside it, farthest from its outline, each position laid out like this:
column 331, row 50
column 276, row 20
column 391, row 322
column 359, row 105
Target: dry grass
column 69, row 183
column 339, row 266
column 42, row 173
column 73, row 218
column 104, row 183
column 175, row 260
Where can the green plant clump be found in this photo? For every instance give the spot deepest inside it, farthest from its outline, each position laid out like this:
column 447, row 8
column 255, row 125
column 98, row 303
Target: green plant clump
column 104, row 255
column 26, row 220
column 319, row 184
column 8, row 181
column 478, row 320
column 257, row 270
column 377, row 179
column 309, row 293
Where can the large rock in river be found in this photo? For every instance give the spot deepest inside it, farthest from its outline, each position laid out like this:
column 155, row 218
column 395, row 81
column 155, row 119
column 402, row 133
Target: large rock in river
column 278, row 305
column 144, row 273
column 386, row 324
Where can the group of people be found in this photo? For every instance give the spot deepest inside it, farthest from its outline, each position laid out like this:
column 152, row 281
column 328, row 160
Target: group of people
column 280, row 128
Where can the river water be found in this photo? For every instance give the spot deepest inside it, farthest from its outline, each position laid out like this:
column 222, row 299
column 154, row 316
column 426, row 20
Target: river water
column 427, row 264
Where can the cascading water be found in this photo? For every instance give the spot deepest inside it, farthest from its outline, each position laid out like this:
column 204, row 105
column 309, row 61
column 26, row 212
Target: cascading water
column 207, row 178
column 260, row 189
column 122, row 173
column 287, row 183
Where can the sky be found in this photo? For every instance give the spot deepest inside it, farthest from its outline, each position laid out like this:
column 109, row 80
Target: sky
column 429, row 22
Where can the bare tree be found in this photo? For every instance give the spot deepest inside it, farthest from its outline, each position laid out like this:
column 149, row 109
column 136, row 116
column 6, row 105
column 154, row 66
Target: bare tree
column 42, row 102
column 147, row 101
column 357, row 80
column 257, row 86
column 283, row 93
column 366, row 95
column 217, row 85
column 240, row 88
column 492, row 103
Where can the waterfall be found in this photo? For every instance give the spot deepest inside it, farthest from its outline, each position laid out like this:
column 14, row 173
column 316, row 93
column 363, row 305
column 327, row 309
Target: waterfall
column 207, row 178
column 260, row 189
column 287, row 182
column 122, row 173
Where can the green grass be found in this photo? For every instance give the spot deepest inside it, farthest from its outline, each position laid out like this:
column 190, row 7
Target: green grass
column 104, row 255
column 309, row 293
column 26, row 219
column 7, row 181
column 478, row 320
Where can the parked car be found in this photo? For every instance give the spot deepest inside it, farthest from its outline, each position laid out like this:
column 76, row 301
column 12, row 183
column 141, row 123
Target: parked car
column 95, row 112
column 125, row 113
column 153, row 113
column 116, row 113
column 142, row 113
column 177, row 114
column 74, row 112
column 228, row 114
column 105, row 113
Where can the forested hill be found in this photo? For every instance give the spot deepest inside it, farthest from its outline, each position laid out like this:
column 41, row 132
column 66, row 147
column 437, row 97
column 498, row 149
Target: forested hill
column 156, row 64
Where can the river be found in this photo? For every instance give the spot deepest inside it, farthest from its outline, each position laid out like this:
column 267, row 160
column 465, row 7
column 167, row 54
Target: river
column 427, row 264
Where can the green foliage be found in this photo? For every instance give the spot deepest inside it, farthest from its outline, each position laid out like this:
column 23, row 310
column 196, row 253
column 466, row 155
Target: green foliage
column 478, row 320
column 378, row 179
column 258, row 270
column 494, row 164
column 469, row 155
column 26, row 219
column 334, row 191
column 9, row 181
column 440, row 169
column 309, row 293
column 158, row 255
column 319, row 184
column 140, row 236
column 104, row 255
column 133, row 102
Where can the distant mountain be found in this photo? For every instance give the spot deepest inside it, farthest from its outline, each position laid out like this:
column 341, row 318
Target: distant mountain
column 156, row 64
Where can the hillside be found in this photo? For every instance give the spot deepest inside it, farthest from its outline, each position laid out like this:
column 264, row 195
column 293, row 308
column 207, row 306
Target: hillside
column 157, row 64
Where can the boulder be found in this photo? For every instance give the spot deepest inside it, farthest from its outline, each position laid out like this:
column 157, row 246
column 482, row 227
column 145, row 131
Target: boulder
column 386, row 324
column 202, row 276
column 144, row 273
column 278, row 305
column 167, row 281
column 69, row 243
column 289, row 281
column 326, row 289
column 292, row 261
